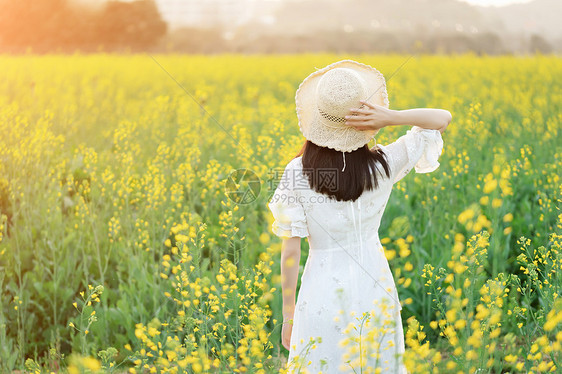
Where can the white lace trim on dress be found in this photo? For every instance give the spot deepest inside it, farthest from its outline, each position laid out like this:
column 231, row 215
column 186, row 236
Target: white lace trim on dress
column 295, row 228
column 432, row 148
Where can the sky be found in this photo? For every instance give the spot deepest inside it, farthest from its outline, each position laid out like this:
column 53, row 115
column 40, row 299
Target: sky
column 474, row 2
column 494, row 2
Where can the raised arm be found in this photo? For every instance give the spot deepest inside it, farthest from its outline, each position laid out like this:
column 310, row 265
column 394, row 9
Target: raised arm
column 427, row 118
column 373, row 117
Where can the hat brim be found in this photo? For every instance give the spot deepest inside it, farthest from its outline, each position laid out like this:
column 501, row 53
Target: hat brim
column 309, row 121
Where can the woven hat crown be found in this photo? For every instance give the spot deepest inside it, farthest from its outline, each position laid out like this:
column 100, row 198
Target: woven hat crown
column 327, row 95
column 339, row 90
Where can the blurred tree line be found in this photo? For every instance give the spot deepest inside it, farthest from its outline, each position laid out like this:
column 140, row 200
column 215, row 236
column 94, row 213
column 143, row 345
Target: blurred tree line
column 70, row 25
column 63, row 25
column 249, row 39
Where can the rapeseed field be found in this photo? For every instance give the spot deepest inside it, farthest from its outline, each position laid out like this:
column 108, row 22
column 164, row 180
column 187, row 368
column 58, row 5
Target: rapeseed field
column 123, row 249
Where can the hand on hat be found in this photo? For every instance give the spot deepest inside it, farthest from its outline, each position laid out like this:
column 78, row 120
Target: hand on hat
column 368, row 117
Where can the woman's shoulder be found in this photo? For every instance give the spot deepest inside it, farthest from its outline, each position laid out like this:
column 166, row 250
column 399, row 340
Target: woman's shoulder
column 293, row 169
column 295, row 163
column 385, row 149
column 378, row 146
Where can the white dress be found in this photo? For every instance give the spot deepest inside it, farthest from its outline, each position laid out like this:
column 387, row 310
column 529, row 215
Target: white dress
column 346, row 272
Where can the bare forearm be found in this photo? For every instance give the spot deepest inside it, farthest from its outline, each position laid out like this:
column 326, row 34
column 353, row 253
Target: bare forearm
column 427, row 118
column 290, row 259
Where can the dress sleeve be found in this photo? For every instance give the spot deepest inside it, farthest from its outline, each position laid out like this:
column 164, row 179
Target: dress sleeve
column 419, row 148
column 286, row 207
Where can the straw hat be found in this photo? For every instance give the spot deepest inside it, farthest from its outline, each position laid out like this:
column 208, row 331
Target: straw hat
column 325, row 97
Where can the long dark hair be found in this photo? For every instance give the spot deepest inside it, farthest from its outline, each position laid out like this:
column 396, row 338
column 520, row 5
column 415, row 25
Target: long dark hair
column 323, row 166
